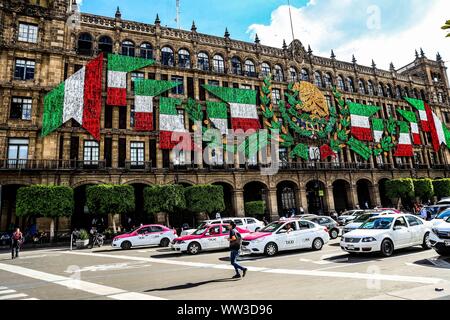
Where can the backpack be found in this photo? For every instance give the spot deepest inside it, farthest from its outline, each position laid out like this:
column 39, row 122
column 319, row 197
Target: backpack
column 236, row 243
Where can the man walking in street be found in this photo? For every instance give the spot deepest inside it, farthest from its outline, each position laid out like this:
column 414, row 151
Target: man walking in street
column 16, row 242
column 235, row 245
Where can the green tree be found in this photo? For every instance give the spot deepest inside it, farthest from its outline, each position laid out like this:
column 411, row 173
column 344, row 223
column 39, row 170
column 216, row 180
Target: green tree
column 400, row 189
column 446, row 26
column 45, row 201
column 255, row 208
column 203, row 199
column 442, row 188
column 166, row 199
column 424, row 189
column 111, row 200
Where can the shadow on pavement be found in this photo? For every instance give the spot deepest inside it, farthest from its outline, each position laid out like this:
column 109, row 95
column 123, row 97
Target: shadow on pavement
column 375, row 256
column 193, row 285
column 436, row 262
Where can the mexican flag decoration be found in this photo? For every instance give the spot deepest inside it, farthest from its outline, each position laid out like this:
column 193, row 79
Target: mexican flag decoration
column 145, row 92
column 218, row 115
column 412, row 119
column 404, row 147
column 378, row 129
column 244, row 114
column 171, row 125
column 78, row 98
column 118, row 68
column 360, row 120
column 419, row 105
column 439, row 131
column 326, row 152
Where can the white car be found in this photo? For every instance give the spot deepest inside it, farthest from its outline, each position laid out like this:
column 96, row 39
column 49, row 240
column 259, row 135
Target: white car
column 440, row 238
column 250, row 224
column 348, row 216
column 284, row 236
column 388, row 233
column 149, row 235
column 359, row 221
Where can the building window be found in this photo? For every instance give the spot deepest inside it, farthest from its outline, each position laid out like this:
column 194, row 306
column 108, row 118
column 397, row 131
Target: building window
column 24, row 69
column 214, row 83
column 180, row 88
column 21, row 108
column 276, row 96
column 203, row 61
column 85, row 44
column 218, row 64
column 250, row 70
column 304, row 75
column 105, row 44
column 380, row 90
column 388, row 91
column 246, row 87
column 91, row 153
column 184, row 59
column 17, row 152
column 128, row 49
column 328, row 81
column 265, row 70
column 236, row 66
column 340, row 83
column 292, row 74
column 279, row 76
column 284, row 158
column 146, row 51
column 179, row 158
column 136, row 76
column 329, row 101
column 350, row 86
column 216, row 157
column 318, row 79
column 361, row 87
column 370, row 90
column 167, row 58
column 28, row 32
column 137, row 154
column 132, row 116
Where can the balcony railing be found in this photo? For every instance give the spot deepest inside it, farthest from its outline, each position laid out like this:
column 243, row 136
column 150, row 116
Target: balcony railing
column 21, row 164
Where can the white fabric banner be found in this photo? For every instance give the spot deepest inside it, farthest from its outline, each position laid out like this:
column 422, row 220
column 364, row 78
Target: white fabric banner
column 243, row 111
column 378, row 135
column 143, row 104
column 423, row 115
column 439, row 129
column 405, row 139
column 314, row 153
column 414, row 128
column 117, row 79
column 74, row 97
column 221, row 124
column 174, row 123
column 360, row 121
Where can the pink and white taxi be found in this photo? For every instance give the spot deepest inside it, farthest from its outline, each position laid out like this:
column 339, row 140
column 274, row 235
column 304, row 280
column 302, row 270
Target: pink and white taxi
column 149, row 235
column 206, row 238
column 284, row 236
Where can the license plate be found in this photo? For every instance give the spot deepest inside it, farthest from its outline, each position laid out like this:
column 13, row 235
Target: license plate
column 447, row 243
column 351, row 247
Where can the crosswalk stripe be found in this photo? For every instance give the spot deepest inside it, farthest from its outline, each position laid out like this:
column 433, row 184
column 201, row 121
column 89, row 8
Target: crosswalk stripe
column 130, row 296
column 29, row 299
column 13, row 296
column 7, row 291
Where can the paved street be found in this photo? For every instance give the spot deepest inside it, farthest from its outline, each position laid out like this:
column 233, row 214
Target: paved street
column 155, row 273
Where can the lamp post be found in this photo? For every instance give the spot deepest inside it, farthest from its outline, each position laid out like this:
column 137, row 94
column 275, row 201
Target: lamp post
column 317, row 184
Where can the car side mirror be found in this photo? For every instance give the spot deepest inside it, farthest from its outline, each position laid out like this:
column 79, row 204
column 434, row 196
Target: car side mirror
column 282, row 231
column 207, row 234
column 399, row 228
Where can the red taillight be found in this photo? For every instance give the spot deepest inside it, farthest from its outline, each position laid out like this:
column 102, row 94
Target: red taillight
column 326, row 230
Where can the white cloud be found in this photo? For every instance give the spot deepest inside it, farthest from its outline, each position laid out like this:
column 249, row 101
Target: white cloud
column 351, row 27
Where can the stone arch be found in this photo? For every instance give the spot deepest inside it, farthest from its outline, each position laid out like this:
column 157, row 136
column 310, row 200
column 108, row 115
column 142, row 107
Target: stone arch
column 316, row 195
column 87, row 182
column 256, row 190
column 287, row 198
column 364, row 189
column 228, row 192
column 386, row 202
column 342, row 195
column 8, row 215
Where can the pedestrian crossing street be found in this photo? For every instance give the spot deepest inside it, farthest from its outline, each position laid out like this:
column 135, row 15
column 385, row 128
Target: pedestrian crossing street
column 9, row 294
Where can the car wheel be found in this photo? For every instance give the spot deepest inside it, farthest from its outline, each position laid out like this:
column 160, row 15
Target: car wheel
column 334, row 234
column 164, row 243
column 271, row 249
column 194, row 248
column 126, row 245
column 387, row 248
column 426, row 245
column 317, row 244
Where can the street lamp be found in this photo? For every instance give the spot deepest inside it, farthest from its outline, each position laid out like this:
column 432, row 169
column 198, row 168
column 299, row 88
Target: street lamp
column 318, row 191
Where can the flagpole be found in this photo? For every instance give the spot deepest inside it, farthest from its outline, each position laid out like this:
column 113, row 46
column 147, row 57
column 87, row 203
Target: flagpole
column 292, row 29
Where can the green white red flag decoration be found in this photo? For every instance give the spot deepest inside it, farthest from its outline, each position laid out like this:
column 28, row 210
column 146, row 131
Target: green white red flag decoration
column 404, row 147
column 78, row 98
column 145, row 92
column 420, row 106
column 118, row 69
column 412, row 119
column 218, row 115
column 172, row 130
column 378, row 129
column 244, row 114
column 360, row 120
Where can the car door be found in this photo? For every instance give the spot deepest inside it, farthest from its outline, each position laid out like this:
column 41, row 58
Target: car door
column 225, row 234
column 280, row 238
column 250, row 224
column 143, row 237
column 401, row 233
column 211, row 238
column 417, row 233
column 156, row 235
column 305, row 234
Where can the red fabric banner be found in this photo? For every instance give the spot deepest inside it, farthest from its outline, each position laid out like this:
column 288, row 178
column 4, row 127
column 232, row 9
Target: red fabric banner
column 404, row 150
column 182, row 139
column 432, row 125
column 93, row 97
column 245, row 124
column 326, row 151
column 425, row 126
column 362, row 134
column 417, row 139
column 143, row 121
column 116, row 97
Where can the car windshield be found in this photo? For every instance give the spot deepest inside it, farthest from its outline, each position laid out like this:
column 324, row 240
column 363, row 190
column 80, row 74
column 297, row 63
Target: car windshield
column 202, row 225
column 443, row 215
column 378, row 224
column 272, row 227
column 199, row 231
column 363, row 218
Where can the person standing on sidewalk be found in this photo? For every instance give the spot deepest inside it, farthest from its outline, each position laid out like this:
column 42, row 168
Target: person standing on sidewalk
column 16, row 242
column 235, row 245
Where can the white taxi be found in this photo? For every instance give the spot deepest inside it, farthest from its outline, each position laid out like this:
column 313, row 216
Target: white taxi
column 149, row 235
column 388, row 233
column 285, row 236
column 440, row 237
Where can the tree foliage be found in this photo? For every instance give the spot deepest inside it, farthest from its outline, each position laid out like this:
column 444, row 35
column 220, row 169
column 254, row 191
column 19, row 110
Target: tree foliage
column 205, row 199
column 400, row 188
column 110, row 199
column 442, row 188
column 45, row 201
column 446, row 26
column 164, row 198
column 423, row 188
column 256, row 208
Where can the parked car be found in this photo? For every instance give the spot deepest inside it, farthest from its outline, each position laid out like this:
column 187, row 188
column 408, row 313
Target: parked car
column 358, row 222
column 348, row 216
column 292, row 234
column 441, row 217
column 388, row 233
column 332, row 226
column 440, row 238
column 207, row 238
column 251, row 224
column 444, row 201
column 5, row 239
column 149, row 235
column 435, row 210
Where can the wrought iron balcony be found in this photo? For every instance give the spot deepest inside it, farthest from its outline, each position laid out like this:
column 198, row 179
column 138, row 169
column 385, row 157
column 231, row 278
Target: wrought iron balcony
column 52, row 165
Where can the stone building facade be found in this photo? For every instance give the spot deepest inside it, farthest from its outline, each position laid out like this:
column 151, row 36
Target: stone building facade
column 42, row 42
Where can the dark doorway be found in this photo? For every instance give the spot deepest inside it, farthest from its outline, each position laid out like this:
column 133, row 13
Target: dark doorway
column 386, row 202
column 81, row 218
column 364, row 194
column 256, row 191
column 8, row 217
column 228, row 198
column 287, row 204
column 341, row 194
column 315, row 192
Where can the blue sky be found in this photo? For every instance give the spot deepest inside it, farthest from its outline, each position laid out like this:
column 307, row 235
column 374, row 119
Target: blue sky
column 383, row 30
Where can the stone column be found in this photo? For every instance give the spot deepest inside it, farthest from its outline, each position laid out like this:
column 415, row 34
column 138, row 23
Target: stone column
column 115, row 154
column 159, row 157
column 376, row 201
column 354, row 196
column 330, row 198
column 273, row 204
column 238, row 203
column 304, row 198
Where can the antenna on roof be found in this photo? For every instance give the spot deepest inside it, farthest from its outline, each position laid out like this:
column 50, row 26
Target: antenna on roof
column 292, row 29
column 177, row 19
